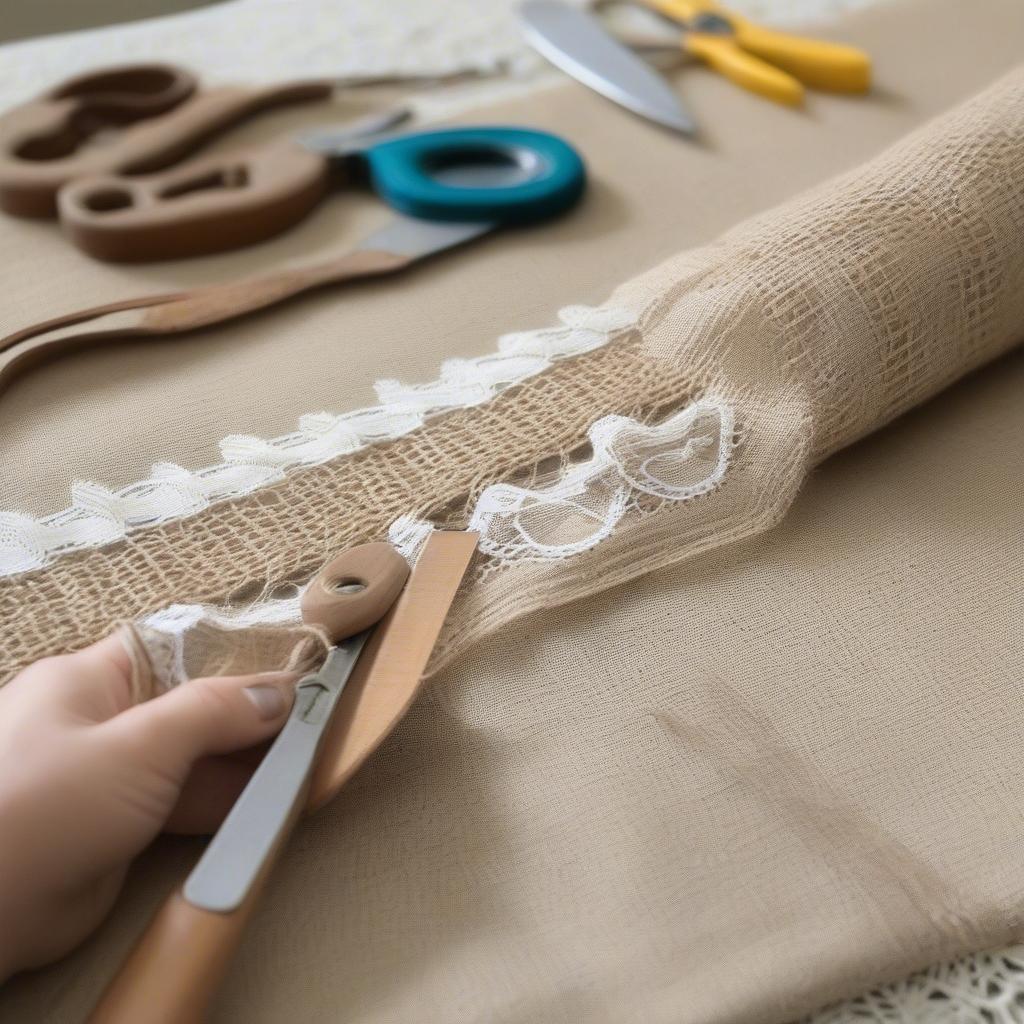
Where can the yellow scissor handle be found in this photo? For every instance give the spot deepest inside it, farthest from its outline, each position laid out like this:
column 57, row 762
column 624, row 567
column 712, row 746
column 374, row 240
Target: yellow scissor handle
column 830, row 66
column 752, row 73
column 684, row 10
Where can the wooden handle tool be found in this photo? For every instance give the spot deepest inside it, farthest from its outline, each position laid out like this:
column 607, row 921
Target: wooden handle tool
column 202, row 206
column 176, row 312
column 177, row 966
column 49, row 141
column 400, row 243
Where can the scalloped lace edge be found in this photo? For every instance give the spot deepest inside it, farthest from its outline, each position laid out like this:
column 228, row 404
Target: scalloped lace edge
column 98, row 515
column 631, row 464
column 678, row 459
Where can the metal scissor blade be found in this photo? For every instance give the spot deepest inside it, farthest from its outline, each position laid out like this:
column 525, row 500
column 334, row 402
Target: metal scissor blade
column 410, row 236
column 358, row 134
column 577, row 43
column 237, row 853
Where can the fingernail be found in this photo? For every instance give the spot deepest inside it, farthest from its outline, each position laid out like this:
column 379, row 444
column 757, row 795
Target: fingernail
column 269, row 700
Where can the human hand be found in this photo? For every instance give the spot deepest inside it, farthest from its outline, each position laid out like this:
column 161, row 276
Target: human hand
column 87, row 780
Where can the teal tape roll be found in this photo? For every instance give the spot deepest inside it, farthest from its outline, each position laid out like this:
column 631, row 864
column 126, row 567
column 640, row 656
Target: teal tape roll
column 506, row 175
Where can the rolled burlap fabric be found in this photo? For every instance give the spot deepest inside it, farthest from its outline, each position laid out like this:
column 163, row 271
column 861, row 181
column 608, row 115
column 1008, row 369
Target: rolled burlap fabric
column 724, row 375
column 813, row 324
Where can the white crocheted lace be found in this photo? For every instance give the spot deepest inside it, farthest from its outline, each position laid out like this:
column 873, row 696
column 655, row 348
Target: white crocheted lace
column 987, row 988
column 681, row 458
column 98, row 515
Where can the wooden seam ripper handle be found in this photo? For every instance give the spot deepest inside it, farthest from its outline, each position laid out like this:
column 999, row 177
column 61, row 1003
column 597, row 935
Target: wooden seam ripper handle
column 179, row 962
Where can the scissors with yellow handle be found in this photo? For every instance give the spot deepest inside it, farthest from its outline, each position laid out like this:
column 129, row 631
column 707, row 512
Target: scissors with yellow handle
column 761, row 60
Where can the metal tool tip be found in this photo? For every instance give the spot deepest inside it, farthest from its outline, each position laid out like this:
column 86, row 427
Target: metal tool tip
column 684, row 126
column 675, row 120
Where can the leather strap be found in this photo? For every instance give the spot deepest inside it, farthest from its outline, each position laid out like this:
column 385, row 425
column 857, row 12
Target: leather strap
column 154, row 315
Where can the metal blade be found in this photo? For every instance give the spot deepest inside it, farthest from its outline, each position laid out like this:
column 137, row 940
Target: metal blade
column 236, row 854
column 578, row 43
column 409, row 236
column 358, row 134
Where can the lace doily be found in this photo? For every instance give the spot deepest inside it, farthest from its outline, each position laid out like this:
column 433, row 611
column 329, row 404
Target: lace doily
column 987, row 988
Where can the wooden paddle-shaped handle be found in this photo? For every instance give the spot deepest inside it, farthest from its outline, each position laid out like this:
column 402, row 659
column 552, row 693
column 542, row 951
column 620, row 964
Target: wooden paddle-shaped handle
column 177, row 966
column 43, row 143
column 200, row 207
column 213, row 305
column 155, row 315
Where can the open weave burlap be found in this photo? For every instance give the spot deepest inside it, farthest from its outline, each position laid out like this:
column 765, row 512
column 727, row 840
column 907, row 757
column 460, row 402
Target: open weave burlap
column 813, row 324
column 285, row 532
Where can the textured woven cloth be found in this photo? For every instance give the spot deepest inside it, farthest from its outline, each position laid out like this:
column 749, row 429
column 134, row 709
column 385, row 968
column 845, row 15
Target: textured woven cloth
column 733, row 789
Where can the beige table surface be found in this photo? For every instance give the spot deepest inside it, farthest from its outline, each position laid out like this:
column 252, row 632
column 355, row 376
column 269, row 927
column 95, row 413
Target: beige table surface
column 372, row 944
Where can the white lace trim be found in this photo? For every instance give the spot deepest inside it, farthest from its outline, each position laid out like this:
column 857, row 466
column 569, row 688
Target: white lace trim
column 99, row 516
column 682, row 458
column 678, row 459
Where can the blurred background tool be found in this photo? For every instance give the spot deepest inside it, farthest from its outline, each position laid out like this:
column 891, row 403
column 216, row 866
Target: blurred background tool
column 770, row 63
column 132, row 119
column 764, row 61
column 502, row 174
column 581, row 46
column 450, row 186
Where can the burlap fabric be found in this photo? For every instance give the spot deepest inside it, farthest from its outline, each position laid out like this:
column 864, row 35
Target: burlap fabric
column 812, row 325
column 731, row 790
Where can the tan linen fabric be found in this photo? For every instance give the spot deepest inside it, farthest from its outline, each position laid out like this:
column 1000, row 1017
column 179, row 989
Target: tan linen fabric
column 729, row 791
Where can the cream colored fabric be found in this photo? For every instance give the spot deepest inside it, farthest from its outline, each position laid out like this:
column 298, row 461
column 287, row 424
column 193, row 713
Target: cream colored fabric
column 729, row 791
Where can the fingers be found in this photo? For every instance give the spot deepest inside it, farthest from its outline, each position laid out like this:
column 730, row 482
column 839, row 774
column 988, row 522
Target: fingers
column 112, row 652
column 205, row 717
column 85, row 687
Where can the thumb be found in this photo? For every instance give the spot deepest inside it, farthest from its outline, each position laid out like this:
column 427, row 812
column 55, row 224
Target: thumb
column 203, row 717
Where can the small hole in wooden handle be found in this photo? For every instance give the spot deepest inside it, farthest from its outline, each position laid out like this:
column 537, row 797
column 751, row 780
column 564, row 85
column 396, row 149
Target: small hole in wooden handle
column 354, row 590
column 105, row 199
column 349, row 585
